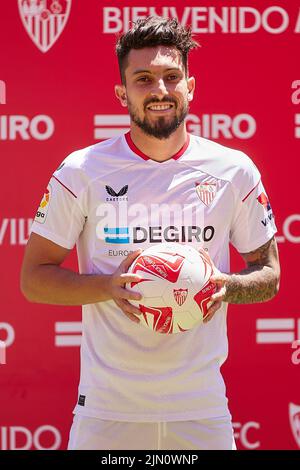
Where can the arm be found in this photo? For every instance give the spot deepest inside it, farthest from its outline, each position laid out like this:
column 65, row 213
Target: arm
column 258, row 282
column 43, row 279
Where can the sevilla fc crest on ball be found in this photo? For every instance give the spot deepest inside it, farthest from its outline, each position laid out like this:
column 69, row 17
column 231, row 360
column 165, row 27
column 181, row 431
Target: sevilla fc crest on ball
column 175, row 286
column 44, row 20
column 180, row 295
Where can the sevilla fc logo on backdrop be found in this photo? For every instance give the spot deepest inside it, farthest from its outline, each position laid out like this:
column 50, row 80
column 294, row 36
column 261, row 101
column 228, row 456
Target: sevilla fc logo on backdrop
column 294, row 412
column 44, row 20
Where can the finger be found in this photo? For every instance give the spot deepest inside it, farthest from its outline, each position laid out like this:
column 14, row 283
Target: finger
column 219, row 294
column 130, row 258
column 127, row 294
column 217, row 297
column 205, row 254
column 132, row 309
column 128, row 307
column 127, row 278
column 217, row 278
column 129, row 310
column 211, row 311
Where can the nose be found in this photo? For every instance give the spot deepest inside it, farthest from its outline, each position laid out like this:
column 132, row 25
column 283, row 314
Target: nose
column 160, row 89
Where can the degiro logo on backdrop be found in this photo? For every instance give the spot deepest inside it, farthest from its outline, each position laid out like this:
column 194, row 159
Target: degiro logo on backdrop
column 211, row 126
column 13, row 127
column 44, row 20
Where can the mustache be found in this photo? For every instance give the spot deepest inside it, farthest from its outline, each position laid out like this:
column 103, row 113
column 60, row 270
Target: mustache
column 165, row 99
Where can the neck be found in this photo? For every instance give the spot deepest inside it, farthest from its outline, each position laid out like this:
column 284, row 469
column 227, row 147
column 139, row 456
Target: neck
column 159, row 150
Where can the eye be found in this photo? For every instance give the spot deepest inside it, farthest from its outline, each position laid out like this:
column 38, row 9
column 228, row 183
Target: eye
column 173, row 76
column 143, row 79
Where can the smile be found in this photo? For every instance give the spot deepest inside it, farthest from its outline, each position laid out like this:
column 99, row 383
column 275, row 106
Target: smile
column 160, row 107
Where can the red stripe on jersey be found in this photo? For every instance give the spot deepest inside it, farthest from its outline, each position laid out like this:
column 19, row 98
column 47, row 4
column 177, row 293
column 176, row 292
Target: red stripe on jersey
column 251, row 191
column 136, row 150
column 183, row 149
column 64, row 186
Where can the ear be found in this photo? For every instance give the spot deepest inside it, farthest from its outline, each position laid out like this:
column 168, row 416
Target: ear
column 120, row 92
column 191, row 83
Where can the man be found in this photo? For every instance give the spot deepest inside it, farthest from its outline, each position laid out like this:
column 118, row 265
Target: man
column 139, row 389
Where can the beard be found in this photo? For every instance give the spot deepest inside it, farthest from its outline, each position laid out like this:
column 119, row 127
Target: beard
column 162, row 127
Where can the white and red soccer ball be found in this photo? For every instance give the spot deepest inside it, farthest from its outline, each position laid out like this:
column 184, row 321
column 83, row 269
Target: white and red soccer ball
column 175, row 286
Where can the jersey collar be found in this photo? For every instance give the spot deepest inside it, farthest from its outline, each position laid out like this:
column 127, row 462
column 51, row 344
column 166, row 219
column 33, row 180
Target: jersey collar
column 138, row 152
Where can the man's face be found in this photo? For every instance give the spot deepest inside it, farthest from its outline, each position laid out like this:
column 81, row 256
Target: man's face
column 157, row 91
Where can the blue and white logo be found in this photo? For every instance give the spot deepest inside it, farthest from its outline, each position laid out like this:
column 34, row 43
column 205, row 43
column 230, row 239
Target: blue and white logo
column 113, row 235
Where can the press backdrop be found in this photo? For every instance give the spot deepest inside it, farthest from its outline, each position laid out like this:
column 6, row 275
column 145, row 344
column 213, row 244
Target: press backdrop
column 57, row 75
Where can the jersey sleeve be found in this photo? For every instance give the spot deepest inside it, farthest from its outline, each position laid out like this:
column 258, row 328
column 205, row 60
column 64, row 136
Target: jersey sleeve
column 253, row 222
column 60, row 216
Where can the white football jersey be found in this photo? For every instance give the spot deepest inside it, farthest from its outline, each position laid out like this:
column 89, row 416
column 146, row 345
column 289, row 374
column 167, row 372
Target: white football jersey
column 110, row 199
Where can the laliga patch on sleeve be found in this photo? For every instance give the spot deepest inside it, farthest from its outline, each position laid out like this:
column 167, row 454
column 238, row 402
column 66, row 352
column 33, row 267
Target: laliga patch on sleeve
column 42, row 211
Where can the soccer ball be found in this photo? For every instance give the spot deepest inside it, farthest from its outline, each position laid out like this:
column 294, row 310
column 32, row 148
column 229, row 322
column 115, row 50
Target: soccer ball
column 175, row 286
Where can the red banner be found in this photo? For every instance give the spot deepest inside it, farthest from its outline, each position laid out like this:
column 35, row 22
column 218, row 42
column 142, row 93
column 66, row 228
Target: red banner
column 57, row 77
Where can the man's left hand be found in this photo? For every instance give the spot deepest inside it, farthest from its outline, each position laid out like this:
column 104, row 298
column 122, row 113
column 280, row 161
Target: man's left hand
column 218, row 297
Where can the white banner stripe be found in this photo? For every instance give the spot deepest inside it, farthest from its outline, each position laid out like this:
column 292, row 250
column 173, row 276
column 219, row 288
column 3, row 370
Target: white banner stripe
column 68, row 340
column 68, row 327
column 111, row 120
column 270, row 338
column 108, row 133
column 275, row 324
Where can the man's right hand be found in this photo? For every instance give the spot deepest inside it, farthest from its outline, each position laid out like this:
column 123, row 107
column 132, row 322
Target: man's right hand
column 118, row 292
column 44, row 280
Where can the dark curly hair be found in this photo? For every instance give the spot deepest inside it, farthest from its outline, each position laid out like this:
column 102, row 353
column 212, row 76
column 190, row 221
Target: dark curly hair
column 151, row 32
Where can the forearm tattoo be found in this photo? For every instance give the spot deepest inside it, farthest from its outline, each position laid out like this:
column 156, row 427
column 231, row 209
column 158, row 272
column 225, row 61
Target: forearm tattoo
column 259, row 281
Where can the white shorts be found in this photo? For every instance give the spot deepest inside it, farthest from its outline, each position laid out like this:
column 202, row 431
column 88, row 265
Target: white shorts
column 97, row 434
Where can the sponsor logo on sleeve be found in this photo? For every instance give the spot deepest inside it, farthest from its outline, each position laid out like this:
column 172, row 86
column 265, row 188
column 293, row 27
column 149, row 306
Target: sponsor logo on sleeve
column 264, row 201
column 42, row 211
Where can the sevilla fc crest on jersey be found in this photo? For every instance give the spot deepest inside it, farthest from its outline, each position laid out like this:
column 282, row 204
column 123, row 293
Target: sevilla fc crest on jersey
column 44, row 20
column 206, row 191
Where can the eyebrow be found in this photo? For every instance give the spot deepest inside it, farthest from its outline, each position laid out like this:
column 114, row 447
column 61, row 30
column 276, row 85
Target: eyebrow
column 136, row 72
